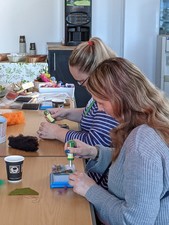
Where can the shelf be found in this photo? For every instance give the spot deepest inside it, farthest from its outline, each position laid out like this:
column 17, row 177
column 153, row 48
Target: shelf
column 58, row 46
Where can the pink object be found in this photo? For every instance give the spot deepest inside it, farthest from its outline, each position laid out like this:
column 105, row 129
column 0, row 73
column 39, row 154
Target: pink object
column 44, row 78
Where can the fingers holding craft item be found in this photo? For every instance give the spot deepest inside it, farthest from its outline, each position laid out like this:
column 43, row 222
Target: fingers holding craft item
column 49, row 117
column 81, row 182
column 81, row 150
column 47, row 130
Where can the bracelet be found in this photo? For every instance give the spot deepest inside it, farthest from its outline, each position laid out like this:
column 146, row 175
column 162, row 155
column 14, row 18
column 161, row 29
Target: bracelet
column 97, row 155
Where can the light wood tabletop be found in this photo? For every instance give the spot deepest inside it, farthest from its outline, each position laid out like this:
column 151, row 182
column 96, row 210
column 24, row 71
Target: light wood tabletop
column 30, row 127
column 50, row 207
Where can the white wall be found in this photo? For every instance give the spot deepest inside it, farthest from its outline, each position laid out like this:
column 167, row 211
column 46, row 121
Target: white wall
column 42, row 21
column 39, row 20
column 141, row 28
column 108, row 23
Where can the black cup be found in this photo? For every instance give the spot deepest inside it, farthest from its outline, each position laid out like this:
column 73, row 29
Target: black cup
column 14, row 164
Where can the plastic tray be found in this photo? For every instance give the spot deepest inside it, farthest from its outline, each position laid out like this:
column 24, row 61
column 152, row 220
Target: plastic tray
column 69, row 90
column 59, row 181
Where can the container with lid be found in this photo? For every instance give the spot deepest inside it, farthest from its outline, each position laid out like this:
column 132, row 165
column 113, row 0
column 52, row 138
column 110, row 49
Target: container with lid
column 32, row 50
column 22, row 44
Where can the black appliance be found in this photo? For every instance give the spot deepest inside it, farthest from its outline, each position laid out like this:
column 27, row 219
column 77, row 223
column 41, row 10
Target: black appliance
column 78, row 16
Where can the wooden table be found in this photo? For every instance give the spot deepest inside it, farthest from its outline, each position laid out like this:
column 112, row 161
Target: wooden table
column 49, row 207
column 33, row 120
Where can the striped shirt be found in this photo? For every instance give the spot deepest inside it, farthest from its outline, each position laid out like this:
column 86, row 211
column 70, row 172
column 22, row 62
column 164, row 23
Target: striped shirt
column 95, row 130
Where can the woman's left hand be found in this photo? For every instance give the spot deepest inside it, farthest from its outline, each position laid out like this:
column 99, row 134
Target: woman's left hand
column 81, row 182
column 48, row 130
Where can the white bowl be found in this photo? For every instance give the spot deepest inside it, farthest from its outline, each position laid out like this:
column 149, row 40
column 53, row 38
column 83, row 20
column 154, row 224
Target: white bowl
column 16, row 57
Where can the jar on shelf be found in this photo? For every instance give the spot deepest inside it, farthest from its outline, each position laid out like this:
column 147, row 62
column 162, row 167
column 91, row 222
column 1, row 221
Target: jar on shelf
column 32, row 50
column 22, row 44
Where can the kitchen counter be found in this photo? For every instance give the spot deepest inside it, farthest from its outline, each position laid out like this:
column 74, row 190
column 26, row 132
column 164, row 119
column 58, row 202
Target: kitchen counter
column 58, row 46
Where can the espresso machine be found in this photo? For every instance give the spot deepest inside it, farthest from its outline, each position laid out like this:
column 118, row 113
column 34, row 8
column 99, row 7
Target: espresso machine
column 78, row 16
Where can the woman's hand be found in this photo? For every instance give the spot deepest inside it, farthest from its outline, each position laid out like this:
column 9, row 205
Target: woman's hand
column 59, row 113
column 69, row 114
column 80, row 182
column 48, row 130
column 82, row 150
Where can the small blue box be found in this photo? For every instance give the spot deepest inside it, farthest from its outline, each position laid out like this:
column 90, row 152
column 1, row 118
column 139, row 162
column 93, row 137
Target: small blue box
column 46, row 105
column 59, row 180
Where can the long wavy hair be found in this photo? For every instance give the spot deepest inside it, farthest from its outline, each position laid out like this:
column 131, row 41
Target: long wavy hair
column 87, row 55
column 134, row 99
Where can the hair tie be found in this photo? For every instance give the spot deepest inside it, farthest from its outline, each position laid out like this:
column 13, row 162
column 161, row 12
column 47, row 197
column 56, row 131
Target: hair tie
column 90, row 43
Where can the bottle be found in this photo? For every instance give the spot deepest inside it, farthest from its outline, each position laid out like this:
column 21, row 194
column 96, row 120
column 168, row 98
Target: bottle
column 32, row 50
column 71, row 143
column 49, row 117
column 22, row 44
column 70, row 156
column 70, row 159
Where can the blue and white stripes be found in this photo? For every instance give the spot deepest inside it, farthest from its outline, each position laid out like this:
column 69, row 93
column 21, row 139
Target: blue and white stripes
column 95, row 130
column 95, row 127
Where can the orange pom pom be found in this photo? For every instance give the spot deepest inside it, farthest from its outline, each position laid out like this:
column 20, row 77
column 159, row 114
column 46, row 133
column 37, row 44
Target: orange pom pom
column 14, row 118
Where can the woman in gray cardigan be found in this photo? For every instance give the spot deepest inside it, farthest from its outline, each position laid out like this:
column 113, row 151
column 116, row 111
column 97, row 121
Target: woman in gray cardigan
column 138, row 165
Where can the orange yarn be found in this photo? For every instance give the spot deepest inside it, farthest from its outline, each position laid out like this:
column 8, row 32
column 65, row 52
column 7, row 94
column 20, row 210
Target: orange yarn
column 14, row 118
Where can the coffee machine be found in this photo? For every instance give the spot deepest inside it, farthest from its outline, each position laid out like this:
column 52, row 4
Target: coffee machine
column 78, row 16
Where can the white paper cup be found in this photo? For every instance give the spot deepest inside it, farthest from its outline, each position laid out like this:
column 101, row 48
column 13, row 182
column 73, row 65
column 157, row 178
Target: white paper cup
column 3, row 125
column 57, row 103
column 14, row 164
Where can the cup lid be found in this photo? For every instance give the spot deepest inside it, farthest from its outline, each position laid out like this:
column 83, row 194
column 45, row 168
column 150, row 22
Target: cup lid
column 56, row 100
column 14, row 158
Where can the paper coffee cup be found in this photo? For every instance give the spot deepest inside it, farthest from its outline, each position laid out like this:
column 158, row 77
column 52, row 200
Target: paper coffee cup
column 57, row 103
column 14, row 164
column 3, row 125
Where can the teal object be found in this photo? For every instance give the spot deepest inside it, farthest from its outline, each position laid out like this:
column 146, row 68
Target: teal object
column 2, row 182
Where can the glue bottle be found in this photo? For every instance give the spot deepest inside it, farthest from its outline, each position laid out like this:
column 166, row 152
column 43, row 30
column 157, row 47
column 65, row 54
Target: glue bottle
column 70, row 156
column 49, row 117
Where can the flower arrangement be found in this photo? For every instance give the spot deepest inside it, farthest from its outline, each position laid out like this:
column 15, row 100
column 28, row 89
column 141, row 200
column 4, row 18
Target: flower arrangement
column 45, row 79
column 44, row 76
